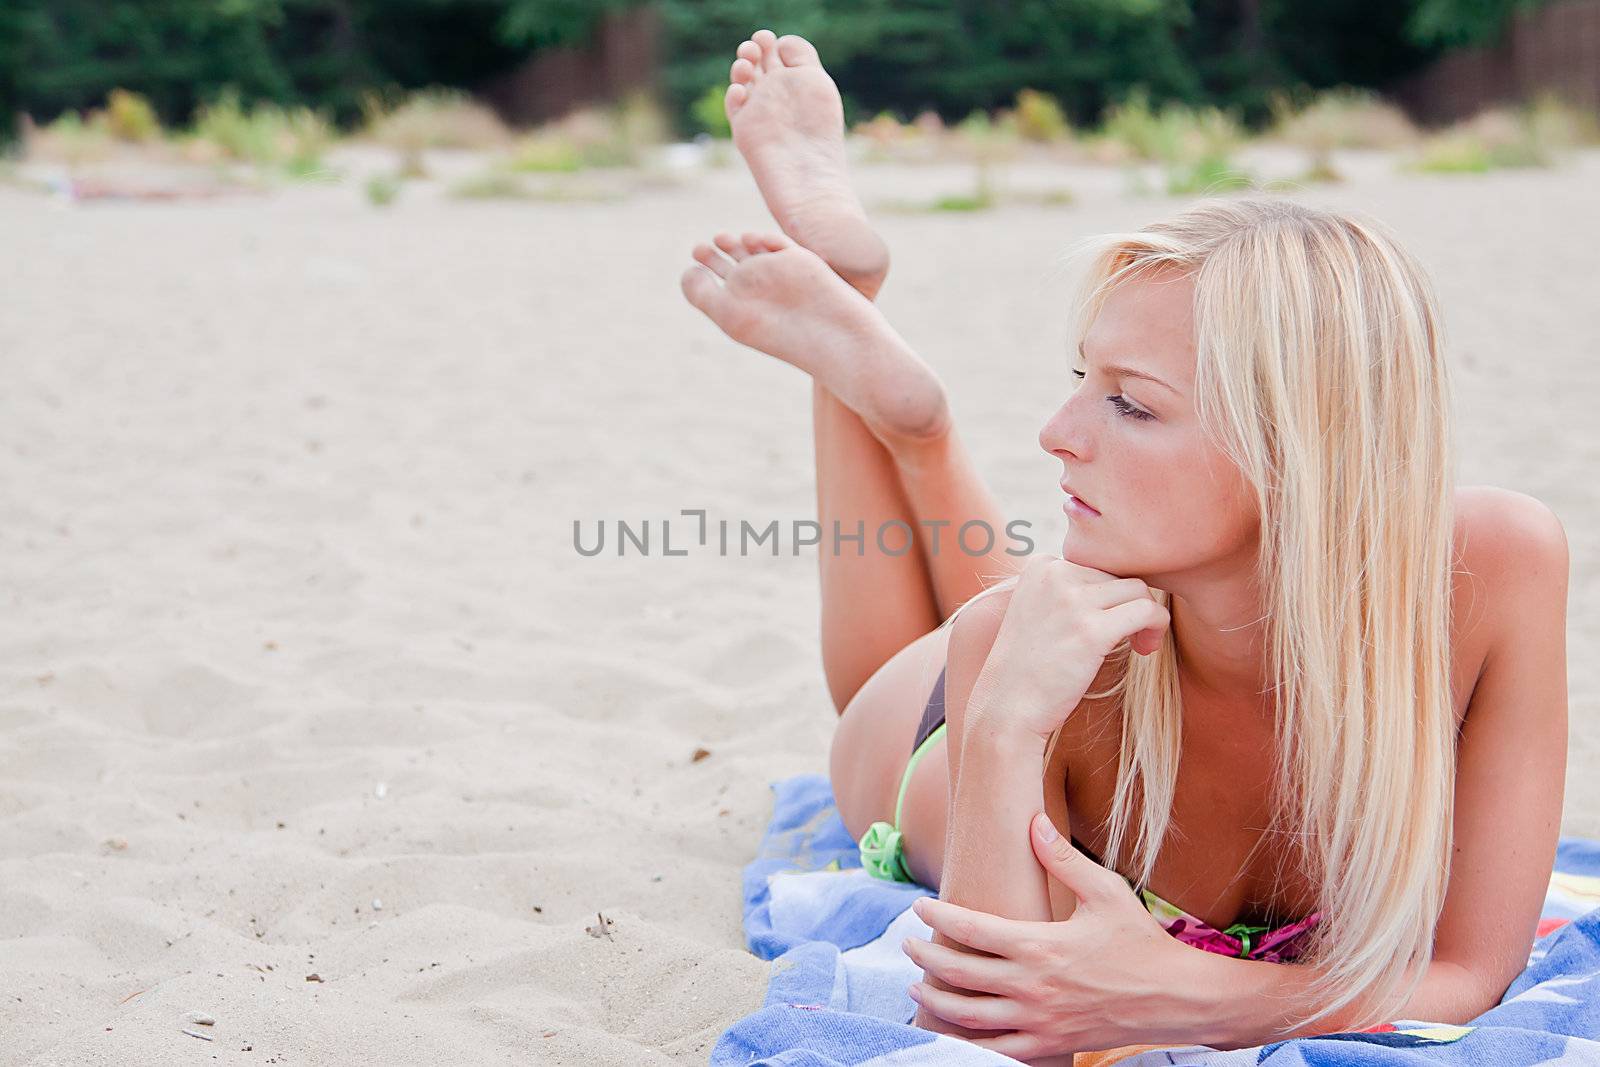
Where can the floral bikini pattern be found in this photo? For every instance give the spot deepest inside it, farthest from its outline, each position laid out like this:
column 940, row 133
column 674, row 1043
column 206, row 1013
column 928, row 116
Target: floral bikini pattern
column 1281, row 945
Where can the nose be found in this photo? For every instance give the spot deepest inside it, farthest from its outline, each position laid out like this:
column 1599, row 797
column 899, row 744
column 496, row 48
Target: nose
column 1065, row 434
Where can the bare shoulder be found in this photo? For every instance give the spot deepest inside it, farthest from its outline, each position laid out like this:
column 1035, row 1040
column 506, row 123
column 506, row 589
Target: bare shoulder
column 972, row 635
column 1510, row 583
column 1509, row 540
column 978, row 620
column 1498, row 527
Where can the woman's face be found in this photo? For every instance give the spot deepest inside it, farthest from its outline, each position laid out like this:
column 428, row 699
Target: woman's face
column 1165, row 500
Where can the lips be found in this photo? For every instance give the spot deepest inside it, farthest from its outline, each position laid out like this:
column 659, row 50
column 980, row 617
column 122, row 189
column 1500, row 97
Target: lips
column 1073, row 493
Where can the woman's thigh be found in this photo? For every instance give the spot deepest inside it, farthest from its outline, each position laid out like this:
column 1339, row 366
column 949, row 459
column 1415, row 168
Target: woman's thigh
column 872, row 745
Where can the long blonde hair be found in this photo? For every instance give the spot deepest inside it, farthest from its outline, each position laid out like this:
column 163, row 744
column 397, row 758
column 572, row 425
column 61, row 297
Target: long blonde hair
column 1320, row 373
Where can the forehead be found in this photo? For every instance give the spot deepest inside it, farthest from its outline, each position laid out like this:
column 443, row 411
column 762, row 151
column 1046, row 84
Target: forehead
column 1147, row 323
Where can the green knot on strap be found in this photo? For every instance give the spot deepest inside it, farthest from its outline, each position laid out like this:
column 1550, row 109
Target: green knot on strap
column 881, row 854
column 1245, row 933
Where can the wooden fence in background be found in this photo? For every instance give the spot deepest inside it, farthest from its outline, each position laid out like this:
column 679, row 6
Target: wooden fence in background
column 1552, row 49
column 622, row 57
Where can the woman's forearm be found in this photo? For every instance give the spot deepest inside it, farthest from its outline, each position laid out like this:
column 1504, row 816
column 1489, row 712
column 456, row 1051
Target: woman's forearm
column 1258, row 1002
column 999, row 785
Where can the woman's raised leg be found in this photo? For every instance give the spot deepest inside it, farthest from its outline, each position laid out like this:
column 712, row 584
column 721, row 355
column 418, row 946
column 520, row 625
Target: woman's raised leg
column 873, row 603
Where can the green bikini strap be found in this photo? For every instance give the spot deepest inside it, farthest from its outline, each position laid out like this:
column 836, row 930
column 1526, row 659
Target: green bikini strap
column 911, row 765
column 1244, row 932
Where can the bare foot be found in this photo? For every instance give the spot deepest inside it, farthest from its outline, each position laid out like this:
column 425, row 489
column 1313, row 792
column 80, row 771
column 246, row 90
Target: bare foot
column 768, row 292
column 788, row 123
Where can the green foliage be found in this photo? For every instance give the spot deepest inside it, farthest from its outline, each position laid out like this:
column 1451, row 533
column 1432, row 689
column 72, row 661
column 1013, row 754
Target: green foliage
column 435, row 117
column 953, row 56
column 491, row 185
column 130, row 117
column 290, row 139
column 59, row 55
column 976, row 202
column 946, row 56
column 1534, row 136
column 544, row 154
column 1453, row 153
column 1039, row 117
column 71, row 140
column 1336, row 119
column 1135, row 127
column 1463, row 22
column 536, row 23
column 1342, row 118
column 710, row 114
column 381, row 189
column 1194, row 146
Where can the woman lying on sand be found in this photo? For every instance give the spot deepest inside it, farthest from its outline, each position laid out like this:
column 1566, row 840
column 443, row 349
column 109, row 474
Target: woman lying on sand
column 1305, row 692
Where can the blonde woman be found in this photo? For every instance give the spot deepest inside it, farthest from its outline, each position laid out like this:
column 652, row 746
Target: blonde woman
column 1301, row 698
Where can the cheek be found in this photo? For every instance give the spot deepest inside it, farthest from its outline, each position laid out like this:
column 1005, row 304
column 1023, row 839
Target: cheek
column 1191, row 498
column 1225, row 498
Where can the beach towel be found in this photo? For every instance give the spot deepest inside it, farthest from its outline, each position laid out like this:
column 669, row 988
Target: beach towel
column 837, row 992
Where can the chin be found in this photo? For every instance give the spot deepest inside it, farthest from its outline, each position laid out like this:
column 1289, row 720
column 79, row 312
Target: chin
column 1074, row 550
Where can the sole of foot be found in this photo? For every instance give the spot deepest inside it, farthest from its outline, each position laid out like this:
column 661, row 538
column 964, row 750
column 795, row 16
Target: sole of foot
column 788, row 124
column 768, row 292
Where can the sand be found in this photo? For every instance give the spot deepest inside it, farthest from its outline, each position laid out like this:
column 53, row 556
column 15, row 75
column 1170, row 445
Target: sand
column 315, row 722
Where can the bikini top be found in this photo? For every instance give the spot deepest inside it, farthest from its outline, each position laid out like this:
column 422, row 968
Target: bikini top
column 1282, row 944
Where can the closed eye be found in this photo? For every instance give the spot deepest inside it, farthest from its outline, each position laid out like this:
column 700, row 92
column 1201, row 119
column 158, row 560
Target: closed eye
column 1119, row 402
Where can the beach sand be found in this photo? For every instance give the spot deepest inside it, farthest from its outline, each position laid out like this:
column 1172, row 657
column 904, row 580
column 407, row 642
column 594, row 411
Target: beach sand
column 314, row 720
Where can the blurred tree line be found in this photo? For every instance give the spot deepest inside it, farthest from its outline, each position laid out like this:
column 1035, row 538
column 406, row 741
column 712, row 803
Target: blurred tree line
column 905, row 55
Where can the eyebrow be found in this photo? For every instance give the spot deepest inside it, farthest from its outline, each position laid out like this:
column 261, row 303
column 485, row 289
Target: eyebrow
column 1120, row 370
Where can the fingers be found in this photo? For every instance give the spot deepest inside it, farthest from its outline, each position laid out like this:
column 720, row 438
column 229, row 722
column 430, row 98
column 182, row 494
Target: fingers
column 1117, row 591
column 977, row 1012
column 975, row 929
column 1048, row 567
column 980, row 974
column 1143, row 618
column 1091, row 883
column 1019, row 1045
column 712, row 260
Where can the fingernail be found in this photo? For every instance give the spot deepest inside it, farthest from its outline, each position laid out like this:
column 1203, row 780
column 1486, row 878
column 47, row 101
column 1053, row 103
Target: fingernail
column 1044, row 828
column 914, row 991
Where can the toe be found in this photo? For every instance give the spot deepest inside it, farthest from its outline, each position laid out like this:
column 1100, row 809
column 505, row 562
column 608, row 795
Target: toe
column 734, row 99
column 769, row 242
column 732, row 246
column 796, row 51
column 713, row 260
column 701, row 288
column 769, row 49
column 742, row 71
column 751, row 51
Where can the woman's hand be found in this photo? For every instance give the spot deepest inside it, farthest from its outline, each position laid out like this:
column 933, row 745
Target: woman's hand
column 1107, row 976
column 1062, row 622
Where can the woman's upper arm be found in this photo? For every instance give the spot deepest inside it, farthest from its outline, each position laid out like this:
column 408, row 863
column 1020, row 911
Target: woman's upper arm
column 1512, row 750
column 972, row 635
